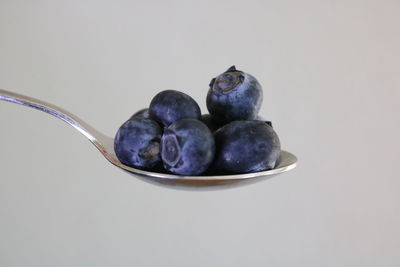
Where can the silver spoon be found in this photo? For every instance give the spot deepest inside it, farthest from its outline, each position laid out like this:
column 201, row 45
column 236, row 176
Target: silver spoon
column 105, row 145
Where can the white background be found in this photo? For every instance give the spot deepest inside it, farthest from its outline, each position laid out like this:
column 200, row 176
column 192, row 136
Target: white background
column 330, row 73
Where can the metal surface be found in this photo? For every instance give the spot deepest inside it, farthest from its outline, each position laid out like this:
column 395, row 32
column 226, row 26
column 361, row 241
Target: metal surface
column 105, row 145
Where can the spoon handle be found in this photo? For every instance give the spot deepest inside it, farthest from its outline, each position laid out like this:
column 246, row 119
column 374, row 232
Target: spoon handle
column 97, row 138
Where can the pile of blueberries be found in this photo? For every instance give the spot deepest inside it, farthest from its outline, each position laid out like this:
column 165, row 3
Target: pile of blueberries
column 172, row 136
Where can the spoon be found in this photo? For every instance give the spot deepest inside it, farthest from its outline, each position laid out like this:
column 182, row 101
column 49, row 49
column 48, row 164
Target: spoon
column 105, row 145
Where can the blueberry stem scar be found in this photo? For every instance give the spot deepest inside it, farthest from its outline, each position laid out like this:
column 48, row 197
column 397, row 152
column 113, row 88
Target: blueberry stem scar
column 171, row 150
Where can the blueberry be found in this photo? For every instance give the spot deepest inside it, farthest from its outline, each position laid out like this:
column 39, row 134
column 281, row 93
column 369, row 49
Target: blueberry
column 246, row 146
column 211, row 124
column 169, row 106
column 137, row 143
column 143, row 113
column 187, row 147
column 234, row 95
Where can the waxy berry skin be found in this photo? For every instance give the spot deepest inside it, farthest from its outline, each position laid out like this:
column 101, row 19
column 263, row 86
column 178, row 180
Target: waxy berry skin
column 234, row 95
column 143, row 113
column 137, row 143
column 246, row 146
column 187, row 147
column 170, row 105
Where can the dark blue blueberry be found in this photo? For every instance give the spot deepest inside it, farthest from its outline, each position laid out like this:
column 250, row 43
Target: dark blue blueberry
column 234, row 95
column 246, row 146
column 211, row 124
column 137, row 143
column 169, row 106
column 143, row 113
column 187, row 147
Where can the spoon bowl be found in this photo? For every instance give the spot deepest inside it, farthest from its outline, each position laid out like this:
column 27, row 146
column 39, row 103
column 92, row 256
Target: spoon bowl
column 105, row 145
